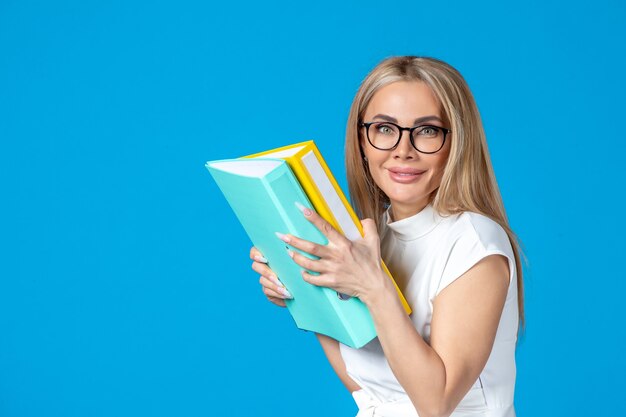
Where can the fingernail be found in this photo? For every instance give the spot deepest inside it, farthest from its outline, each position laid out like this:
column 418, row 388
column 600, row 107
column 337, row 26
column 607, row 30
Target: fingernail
column 275, row 280
column 285, row 292
column 305, row 210
column 260, row 259
column 283, row 237
column 290, row 253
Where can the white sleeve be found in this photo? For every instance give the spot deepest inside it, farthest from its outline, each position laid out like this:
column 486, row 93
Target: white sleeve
column 482, row 237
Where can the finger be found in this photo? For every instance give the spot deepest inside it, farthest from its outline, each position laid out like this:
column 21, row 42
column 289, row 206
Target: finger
column 262, row 269
column 326, row 228
column 317, row 280
column 273, row 288
column 279, row 302
column 306, row 263
column 257, row 256
column 304, row 245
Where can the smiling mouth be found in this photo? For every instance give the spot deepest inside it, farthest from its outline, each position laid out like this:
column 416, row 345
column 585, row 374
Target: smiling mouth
column 405, row 177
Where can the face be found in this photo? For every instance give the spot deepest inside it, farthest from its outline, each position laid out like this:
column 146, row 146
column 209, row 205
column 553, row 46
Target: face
column 406, row 176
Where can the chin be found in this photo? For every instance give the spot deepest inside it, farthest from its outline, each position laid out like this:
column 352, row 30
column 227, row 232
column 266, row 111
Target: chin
column 413, row 198
column 407, row 196
column 409, row 202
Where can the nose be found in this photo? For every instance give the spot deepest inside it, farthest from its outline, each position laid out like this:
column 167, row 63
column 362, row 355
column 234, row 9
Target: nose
column 405, row 149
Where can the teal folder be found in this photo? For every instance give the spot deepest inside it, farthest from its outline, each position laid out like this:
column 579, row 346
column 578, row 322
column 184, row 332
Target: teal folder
column 263, row 193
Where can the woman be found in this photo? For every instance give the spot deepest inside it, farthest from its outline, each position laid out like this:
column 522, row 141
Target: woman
column 420, row 175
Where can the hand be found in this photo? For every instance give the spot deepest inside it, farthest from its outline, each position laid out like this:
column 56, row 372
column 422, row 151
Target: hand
column 273, row 289
column 349, row 267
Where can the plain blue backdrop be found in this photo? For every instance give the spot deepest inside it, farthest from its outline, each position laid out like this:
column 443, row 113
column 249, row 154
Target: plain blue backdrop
column 125, row 283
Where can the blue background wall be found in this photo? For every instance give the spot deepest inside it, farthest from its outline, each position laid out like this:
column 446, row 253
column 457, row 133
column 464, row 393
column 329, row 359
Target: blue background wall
column 125, row 284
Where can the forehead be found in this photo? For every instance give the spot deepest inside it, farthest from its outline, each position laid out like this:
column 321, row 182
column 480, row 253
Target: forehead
column 404, row 100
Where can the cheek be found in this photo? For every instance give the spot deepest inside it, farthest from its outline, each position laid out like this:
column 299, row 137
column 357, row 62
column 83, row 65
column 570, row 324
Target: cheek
column 441, row 165
column 442, row 160
column 438, row 167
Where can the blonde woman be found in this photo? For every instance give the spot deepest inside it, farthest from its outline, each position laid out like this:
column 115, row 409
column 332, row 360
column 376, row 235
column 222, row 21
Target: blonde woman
column 420, row 176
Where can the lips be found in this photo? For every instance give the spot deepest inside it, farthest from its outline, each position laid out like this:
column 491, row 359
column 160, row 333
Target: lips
column 409, row 171
column 405, row 175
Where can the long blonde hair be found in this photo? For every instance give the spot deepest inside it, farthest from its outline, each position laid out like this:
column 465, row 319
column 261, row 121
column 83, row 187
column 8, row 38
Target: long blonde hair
column 468, row 182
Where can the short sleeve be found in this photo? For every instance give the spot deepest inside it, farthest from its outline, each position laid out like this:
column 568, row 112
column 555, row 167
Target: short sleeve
column 476, row 238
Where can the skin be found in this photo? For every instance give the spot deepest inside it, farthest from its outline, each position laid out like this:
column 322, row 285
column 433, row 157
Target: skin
column 403, row 103
column 466, row 314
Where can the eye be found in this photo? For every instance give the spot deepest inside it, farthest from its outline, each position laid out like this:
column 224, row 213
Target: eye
column 428, row 131
column 385, row 129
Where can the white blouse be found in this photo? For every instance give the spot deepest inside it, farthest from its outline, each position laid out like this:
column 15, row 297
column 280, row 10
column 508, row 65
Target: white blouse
column 425, row 253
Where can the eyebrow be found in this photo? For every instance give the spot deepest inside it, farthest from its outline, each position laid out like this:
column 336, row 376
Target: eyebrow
column 415, row 122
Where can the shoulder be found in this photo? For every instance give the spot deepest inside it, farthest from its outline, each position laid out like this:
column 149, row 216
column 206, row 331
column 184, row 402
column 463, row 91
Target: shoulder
column 475, row 227
column 470, row 237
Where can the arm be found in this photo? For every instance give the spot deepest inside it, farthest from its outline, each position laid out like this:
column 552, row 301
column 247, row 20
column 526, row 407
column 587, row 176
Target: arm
column 465, row 319
column 272, row 288
column 466, row 315
column 331, row 349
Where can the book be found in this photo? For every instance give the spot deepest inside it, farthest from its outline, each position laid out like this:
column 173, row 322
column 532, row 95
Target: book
column 263, row 191
column 319, row 184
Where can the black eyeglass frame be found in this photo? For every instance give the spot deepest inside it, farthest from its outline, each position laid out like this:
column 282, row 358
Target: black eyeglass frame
column 401, row 129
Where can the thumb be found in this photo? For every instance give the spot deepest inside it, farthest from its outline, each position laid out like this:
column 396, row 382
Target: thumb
column 369, row 229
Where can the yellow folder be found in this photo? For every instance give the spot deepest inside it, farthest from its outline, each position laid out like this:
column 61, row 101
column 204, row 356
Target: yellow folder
column 319, row 184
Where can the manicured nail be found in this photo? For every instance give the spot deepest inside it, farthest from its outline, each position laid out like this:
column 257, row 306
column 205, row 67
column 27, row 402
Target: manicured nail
column 259, row 258
column 283, row 237
column 290, row 253
column 275, row 280
column 305, row 210
column 286, row 293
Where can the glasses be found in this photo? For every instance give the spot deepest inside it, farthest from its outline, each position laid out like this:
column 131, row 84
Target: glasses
column 385, row 136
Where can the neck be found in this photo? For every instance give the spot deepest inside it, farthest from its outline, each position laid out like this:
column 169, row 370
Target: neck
column 400, row 212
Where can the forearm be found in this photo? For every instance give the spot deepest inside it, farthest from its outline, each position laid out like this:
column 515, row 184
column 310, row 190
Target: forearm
column 417, row 366
column 331, row 349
